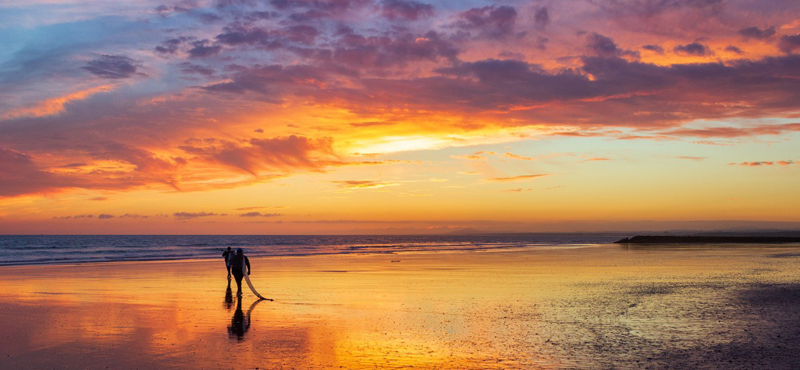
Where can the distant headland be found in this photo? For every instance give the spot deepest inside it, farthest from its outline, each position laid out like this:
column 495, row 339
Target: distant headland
column 687, row 239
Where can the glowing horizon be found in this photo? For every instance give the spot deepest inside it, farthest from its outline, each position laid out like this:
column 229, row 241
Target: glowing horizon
column 362, row 116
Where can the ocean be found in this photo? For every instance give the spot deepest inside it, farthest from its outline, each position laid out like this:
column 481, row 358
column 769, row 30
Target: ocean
column 63, row 249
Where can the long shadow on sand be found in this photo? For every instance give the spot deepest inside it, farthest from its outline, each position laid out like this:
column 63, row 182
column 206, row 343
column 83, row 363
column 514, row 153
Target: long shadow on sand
column 240, row 323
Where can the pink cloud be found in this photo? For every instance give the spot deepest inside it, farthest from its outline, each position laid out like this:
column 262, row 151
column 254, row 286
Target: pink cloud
column 490, row 21
column 732, row 132
column 764, row 163
column 20, row 175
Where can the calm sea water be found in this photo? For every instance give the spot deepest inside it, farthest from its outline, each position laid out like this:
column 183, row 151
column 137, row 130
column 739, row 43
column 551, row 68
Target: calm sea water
column 49, row 249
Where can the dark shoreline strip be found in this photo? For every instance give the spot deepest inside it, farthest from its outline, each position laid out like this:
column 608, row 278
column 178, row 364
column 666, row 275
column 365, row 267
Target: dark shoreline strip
column 671, row 239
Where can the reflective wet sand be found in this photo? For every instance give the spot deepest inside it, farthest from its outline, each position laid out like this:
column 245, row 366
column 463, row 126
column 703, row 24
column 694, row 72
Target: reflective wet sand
column 583, row 307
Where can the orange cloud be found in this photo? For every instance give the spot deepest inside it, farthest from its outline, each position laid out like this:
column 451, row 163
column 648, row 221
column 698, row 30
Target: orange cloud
column 256, row 155
column 470, row 157
column 517, row 178
column 514, row 156
column 363, row 184
column 55, row 105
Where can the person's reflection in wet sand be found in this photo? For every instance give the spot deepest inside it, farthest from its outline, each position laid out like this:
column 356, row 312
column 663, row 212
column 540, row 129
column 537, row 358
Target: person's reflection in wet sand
column 240, row 323
column 228, row 295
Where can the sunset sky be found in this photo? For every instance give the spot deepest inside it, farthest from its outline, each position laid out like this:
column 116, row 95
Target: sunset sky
column 397, row 116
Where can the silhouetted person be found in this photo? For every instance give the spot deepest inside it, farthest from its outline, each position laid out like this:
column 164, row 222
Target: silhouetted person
column 227, row 256
column 238, row 262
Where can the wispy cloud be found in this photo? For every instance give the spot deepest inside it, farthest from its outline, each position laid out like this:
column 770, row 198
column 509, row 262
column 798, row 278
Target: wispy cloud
column 515, row 156
column 112, row 66
column 55, row 105
column 764, row 163
column 134, row 216
column 469, row 156
column 733, row 132
column 259, row 214
column 191, row 215
column 74, row 216
column 517, row 178
column 517, row 190
column 256, row 155
column 363, row 184
column 252, row 208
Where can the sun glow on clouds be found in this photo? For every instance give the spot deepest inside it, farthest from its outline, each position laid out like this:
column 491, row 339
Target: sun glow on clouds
column 393, row 144
column 211, row 102
column 487, row 135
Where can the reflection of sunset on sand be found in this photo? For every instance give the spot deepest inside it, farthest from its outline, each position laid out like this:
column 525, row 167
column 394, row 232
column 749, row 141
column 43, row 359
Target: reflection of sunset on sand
column 535, row 308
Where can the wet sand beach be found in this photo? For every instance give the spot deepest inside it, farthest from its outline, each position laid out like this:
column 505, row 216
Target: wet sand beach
column 586, row 307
